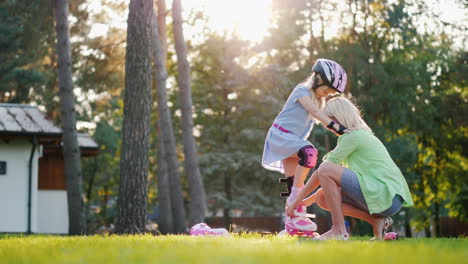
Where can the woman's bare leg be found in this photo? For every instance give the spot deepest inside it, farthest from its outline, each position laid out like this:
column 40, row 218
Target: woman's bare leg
column 351, row 210
column 329, row 175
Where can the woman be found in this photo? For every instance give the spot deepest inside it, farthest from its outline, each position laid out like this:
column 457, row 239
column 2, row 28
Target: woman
column 358, row 178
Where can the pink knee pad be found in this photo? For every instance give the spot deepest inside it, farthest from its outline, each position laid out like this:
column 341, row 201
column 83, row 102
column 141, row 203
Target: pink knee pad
column 308, row 155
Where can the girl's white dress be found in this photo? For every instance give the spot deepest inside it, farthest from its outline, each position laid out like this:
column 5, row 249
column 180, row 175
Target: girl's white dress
column 293, row 118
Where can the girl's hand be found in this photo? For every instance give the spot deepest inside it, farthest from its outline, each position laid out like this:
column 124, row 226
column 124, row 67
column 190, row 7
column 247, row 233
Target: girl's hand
column 336, row 134
column 345, row 131
column 336, row 127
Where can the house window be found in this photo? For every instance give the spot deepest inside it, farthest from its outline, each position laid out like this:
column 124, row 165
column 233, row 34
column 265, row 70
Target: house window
column 3, row 168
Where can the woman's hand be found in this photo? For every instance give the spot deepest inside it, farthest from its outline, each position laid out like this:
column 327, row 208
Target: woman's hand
column 290, row 208
column 309, row 201
column 290, row 211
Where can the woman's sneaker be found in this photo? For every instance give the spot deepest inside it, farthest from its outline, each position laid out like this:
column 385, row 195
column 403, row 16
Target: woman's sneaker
column 300, row 224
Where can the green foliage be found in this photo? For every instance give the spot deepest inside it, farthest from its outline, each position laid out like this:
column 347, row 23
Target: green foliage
column 26, row 31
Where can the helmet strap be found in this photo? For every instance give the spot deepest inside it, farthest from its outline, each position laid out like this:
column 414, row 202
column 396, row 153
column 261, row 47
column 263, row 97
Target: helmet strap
column 324, row 82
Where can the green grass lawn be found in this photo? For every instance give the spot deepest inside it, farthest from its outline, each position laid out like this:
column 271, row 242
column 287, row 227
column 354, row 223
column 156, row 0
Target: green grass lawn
column 235, row 249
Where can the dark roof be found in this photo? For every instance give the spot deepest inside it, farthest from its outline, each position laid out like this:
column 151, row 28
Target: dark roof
column 18, row 119
column 86, row 141
column 25, row 120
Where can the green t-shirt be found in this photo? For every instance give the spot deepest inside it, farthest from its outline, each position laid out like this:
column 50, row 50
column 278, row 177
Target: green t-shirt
column 379, row 177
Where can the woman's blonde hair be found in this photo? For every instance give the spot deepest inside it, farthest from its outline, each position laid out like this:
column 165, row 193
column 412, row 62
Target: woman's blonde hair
column 346, row 113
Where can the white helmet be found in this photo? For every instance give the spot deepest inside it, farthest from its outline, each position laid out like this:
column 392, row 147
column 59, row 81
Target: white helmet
column 332, row 74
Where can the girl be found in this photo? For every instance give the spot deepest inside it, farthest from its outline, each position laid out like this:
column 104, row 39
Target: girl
column 286, row 147
column 358, row 178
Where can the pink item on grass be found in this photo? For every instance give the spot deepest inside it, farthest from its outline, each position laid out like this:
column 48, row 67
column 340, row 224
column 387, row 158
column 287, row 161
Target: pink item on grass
column 203, row 229
column 391, row 236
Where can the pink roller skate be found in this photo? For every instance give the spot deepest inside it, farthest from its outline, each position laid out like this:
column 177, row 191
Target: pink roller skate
column 391, row 236
column 300, row 225
column 203, row 229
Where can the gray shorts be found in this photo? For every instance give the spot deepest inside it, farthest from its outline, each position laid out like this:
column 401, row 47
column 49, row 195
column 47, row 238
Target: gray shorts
column 352, row 194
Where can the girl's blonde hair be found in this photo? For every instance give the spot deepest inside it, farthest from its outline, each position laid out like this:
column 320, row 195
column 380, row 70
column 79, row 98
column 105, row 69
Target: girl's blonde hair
column 346, row 113
column 309, row 82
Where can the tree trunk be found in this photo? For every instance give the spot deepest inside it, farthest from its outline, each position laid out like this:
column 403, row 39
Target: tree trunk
column 104, row 203
column 176, row 216
column 172, row 213
column 427, row 231
column 407, row 224
column 162, row 29
column 165, row 219
column 436, row 219
column 225, row 148
column 89, row 194
column 131, row 204
column 435, row 190
column 227, row 208
column 197, row 190
column 322, row 26
column 313, row 43
column 71, row 150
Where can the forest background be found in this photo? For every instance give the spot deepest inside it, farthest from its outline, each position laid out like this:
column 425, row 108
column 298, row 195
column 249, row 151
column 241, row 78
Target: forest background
column 407, row 69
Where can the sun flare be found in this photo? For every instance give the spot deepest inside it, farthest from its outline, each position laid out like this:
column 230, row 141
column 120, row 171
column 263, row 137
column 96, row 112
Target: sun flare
column 249, row 19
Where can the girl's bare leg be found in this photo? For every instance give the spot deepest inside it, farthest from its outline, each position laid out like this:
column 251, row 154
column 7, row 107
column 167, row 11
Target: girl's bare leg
column 290, row 165
column 300, row 175
column 292, row 168
column 297, row 222
column 310, row 186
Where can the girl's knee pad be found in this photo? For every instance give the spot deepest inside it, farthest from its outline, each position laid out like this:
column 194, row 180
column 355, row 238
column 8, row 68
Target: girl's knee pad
column 308, row 156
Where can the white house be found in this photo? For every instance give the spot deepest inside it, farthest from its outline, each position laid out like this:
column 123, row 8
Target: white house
column 33, row 197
